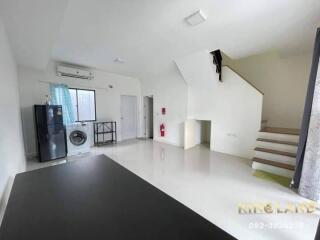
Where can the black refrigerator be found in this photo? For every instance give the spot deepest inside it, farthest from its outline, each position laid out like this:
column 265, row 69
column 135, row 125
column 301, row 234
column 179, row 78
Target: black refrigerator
column 51, row 134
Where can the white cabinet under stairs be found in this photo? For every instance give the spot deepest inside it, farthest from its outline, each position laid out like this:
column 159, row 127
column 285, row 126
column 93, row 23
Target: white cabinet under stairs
column 276, row 150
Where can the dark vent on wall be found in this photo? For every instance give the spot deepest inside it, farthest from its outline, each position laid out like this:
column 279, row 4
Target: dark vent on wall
column 217, row 60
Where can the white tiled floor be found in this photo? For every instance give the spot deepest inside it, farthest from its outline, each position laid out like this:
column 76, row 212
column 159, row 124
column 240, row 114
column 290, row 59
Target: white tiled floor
column 212, row 184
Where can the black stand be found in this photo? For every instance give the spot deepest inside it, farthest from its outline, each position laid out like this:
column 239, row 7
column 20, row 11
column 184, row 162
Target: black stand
column 104, row 133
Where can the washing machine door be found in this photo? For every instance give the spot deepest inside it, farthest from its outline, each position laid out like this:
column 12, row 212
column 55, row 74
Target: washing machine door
column 78, row 137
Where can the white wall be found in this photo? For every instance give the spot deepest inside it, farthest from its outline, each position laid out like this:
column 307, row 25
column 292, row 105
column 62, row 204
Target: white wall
column 233, row 106
column 33, row 91
column 283, row 80
column 169, row 91
column 12, row 159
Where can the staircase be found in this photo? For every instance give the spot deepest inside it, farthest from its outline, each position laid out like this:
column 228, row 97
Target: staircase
column 276, row 150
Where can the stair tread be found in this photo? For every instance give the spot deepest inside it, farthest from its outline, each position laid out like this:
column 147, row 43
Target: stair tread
column 277, row 141
column 289, row 131
column 273, row 163
column 260, row 149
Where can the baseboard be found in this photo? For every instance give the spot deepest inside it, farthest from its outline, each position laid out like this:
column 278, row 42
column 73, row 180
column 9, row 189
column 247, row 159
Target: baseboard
column 167, row 142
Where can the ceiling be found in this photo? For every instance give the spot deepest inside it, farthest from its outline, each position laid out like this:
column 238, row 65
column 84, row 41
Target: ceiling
column 32, row 27
column 150, row 34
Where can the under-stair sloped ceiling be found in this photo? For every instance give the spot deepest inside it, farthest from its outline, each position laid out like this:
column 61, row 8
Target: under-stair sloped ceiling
column 233, row 105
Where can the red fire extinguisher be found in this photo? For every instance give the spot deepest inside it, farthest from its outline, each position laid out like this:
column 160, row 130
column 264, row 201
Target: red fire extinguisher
column 162, row 130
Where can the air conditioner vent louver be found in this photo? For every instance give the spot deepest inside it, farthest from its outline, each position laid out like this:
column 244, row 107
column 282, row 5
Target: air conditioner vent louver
column 74, row 72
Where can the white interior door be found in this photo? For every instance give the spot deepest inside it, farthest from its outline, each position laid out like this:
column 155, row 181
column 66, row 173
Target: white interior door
column 128, row 117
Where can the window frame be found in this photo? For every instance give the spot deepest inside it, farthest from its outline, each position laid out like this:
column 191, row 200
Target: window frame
column 95, row 104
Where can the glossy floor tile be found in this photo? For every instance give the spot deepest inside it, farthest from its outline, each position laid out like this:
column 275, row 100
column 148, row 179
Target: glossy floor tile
column 213, row 185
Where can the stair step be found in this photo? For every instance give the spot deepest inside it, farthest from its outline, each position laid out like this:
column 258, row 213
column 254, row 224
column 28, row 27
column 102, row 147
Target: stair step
column 277, row 146
column 275, row 157
column 273, row 169
column 289, row 131
column 273, row 163
column 277, row 141
column 279, row 137
column 288, row 154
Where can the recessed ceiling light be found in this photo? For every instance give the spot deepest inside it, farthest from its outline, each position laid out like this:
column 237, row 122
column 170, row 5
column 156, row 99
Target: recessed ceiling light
column 196, row 18
column 119, row 60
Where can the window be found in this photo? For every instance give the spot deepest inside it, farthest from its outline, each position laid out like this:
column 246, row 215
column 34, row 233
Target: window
column 84, row 104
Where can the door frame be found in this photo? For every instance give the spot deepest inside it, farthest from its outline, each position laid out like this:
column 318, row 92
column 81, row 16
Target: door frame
column 145, row 117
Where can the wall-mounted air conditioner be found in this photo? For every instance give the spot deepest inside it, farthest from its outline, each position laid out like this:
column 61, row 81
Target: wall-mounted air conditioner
column 74, row 72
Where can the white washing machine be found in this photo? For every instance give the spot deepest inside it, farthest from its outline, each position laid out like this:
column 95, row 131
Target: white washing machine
column 78, row 138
